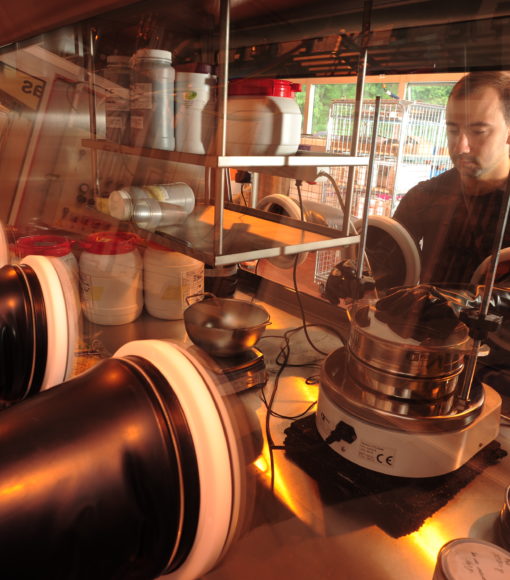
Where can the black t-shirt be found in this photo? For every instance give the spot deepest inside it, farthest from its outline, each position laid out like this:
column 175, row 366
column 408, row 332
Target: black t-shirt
column 455, row 231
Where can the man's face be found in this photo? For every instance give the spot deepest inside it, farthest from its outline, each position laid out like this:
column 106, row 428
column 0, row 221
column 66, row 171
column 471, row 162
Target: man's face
column 478, row 136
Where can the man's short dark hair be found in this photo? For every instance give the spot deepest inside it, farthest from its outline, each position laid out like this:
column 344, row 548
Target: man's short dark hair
column 498, row 80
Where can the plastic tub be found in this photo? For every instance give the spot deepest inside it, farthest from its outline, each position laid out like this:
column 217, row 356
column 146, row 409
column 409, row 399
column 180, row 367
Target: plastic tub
column 111, row 278
column 169, row 279
column 263, row 117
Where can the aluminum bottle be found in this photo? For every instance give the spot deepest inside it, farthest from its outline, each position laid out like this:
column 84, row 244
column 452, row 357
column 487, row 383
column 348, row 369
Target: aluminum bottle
column 152, row 99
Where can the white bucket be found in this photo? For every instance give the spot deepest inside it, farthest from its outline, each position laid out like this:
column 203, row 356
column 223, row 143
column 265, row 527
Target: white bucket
column 111, row 279
column 169, row 279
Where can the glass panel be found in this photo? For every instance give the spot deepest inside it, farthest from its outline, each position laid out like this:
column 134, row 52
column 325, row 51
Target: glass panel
column 286, row 426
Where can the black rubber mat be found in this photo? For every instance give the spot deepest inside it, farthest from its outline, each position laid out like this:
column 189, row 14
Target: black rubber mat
column 399, row 505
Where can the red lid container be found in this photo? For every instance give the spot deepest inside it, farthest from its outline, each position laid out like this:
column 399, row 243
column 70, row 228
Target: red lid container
column 263, row 87
column 44, row 245
column 109, row 243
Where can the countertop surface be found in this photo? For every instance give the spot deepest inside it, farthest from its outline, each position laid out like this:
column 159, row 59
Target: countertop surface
column 295, row 533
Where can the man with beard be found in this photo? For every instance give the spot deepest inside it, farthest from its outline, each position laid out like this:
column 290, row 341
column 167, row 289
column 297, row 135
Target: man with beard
column 453, row 216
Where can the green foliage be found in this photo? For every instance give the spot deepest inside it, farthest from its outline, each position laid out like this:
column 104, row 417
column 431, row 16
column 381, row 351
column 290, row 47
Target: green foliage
column 433, row 93
column 324, row 94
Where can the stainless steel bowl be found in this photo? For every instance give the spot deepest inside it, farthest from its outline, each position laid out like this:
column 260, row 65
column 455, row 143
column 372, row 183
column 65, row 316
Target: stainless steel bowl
column 225, row 327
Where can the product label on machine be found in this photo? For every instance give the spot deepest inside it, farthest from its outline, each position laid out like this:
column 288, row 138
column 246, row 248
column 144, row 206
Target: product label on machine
column 384, row 456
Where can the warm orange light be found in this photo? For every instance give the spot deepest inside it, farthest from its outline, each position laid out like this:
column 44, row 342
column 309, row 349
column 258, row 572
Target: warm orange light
column 281, row 490
column 12, row 489
column 261, row 464
column 430, row 538
column 132, row 433
column 293, row 398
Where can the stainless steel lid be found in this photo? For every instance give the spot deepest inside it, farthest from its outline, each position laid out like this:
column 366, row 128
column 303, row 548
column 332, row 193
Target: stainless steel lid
column 377, row 344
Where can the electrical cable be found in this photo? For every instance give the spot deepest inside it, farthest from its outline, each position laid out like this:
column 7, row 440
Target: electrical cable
column 283, row 364
column 294, row 280
column 242, row 195
column 269, row 438
column 338, row 194
column 505, row 418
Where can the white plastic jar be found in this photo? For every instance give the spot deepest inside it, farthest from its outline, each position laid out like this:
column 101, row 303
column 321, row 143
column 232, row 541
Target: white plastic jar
column 49, row 245
column 170, row 278
column 195, row 118
column 472, row 559
column 263, row 117
column 111, row 284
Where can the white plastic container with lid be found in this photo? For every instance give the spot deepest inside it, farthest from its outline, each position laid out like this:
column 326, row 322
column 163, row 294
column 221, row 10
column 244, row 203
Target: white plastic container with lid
column 263, row 117
column 118, row 72
column 152, row 99
column 169, row 279
column 472, row 559
column 49, row 245
column 111, row 282
column 195, row 119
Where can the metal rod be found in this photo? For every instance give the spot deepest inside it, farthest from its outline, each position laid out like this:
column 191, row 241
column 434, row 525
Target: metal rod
column 91, row 78
column 221, row 137
column 490, row 277
column 366, row 206
column 358, row 105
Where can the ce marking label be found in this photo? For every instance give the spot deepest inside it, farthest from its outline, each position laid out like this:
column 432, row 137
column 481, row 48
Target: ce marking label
column 382, row 458
column 376, row 454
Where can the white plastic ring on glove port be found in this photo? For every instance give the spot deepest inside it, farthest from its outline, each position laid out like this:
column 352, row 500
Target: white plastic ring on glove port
column 292, row 210
column 215, row 447
column 404, row 242
column 4, row 247
column 61, row 317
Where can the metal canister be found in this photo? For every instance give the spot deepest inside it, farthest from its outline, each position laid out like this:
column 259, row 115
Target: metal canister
column 152, row 99
column 471, row 559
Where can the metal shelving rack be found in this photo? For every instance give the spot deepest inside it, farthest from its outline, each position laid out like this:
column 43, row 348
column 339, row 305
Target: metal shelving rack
column 221, row 233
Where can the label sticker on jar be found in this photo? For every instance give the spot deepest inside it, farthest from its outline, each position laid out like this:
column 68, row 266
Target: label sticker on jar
column 136, row 121
column 141, row 96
